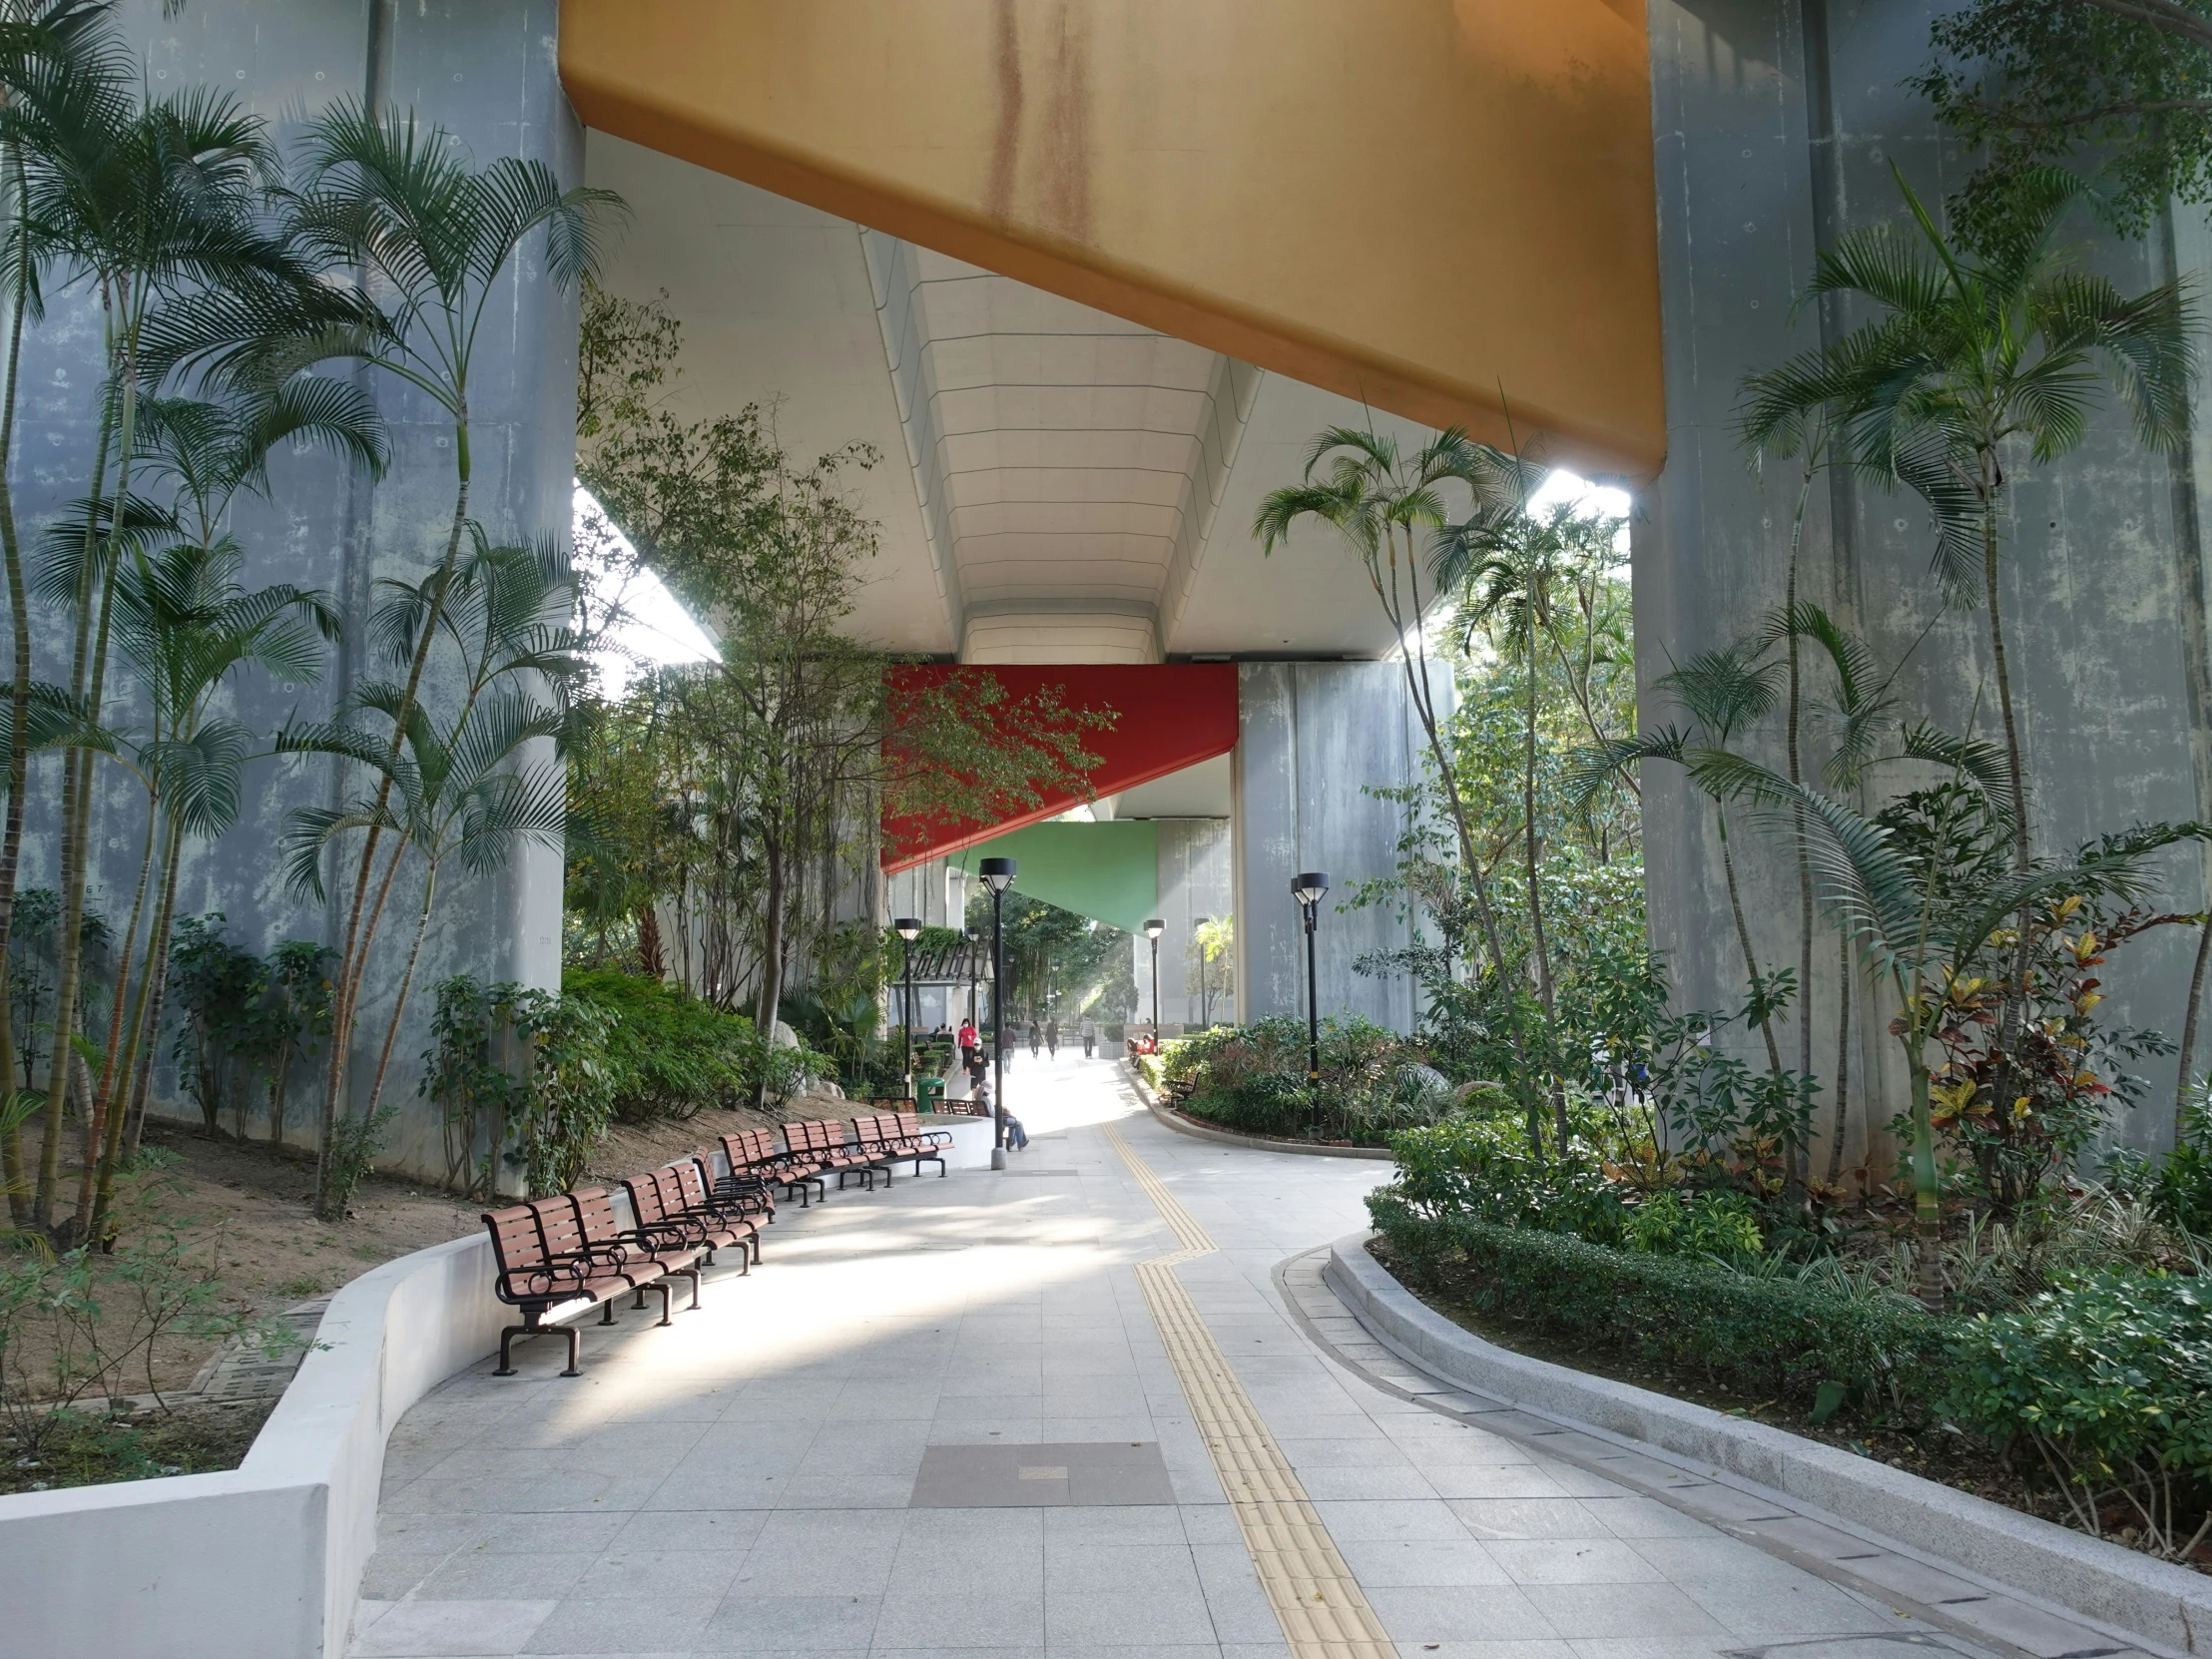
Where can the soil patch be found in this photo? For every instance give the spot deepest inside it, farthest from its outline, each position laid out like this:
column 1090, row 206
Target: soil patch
column 83, row 1448
column 1939, row 1452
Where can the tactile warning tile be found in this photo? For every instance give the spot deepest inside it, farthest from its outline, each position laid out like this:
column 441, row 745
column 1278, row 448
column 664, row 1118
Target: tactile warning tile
column 1315, row 1599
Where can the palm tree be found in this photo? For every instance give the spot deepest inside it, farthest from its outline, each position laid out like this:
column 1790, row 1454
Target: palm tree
column 429, row 239
column 457, row 787
column 1724, row 692
column 186, row 627
column 1383, row 503
column 1917, row 922
column 1979, row 351
column 140, row 203
column 51, row 52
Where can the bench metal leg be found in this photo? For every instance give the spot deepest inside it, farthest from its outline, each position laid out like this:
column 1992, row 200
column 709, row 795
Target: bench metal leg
column 607, row 1310
column 532, row 1328
column 660, row 1285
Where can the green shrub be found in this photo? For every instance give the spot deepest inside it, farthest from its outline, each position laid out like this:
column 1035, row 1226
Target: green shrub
column 2108, row 1380
column 1768, row 1336
column 1251, row 1078
column 668, row 1055
column 1681, row 1221
column 1481, row 1166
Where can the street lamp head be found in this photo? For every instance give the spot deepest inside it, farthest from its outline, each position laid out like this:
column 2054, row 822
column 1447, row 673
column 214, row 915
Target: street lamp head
column 997, row 873
column 1154, row 928
column 1309, row 887
column 908, row 928
column 1202, row 921
column 975, row 936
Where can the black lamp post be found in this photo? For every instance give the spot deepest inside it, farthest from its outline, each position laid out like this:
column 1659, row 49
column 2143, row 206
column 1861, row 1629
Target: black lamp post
column 909, row 929
column 1310, row 888
column 1152, row 930
column 998, row 875
column 1205, row 984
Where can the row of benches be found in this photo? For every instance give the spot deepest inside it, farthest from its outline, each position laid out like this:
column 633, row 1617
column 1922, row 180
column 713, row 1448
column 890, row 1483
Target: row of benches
column 562, row 1255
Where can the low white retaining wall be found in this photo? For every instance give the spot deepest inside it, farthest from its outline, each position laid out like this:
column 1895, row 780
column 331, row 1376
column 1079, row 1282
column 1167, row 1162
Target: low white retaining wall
column 263, row 1561
column 972, row 1143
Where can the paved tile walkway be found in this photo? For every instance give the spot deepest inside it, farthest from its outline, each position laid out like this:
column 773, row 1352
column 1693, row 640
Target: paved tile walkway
column 739, row 1482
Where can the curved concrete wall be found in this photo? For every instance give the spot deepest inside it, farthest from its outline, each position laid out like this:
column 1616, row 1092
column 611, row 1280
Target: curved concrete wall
column 263, row 1561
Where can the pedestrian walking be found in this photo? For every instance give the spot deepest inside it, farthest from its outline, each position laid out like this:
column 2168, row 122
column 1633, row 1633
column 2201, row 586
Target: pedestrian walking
column 1053, row 1039
column 967, row 1040
column 1033, row 1038
column 1090, row 1037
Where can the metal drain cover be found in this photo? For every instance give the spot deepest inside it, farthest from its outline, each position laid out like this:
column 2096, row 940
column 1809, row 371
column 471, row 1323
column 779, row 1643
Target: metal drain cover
column 1035, row 1476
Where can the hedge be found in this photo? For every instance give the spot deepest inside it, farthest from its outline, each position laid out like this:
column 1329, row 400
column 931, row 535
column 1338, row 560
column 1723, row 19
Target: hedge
column 1769, row 1337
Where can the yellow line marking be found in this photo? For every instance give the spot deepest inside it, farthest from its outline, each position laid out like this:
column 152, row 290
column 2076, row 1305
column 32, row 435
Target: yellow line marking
column 1315, row 1599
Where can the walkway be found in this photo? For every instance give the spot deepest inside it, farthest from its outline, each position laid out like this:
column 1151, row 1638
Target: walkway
column 952, row 1419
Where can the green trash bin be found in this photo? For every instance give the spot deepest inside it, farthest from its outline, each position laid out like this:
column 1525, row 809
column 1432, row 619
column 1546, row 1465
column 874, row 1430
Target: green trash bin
column 929, row 1093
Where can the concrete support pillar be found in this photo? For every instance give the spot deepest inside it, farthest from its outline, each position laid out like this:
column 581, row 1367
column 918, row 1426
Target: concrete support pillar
column 1777, row 128
column 1311, row 739
column 485, row 70
column 1194, row 880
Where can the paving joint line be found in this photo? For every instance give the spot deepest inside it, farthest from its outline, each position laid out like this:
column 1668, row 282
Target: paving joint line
column 1497, row 1420
column 1317, row 1602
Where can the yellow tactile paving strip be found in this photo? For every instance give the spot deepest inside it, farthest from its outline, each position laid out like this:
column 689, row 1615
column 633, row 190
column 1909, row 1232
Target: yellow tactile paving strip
column 1315, row 1598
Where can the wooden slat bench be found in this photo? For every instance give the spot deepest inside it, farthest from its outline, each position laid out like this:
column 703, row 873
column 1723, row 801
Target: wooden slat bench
column 754, row 1154
column 823, row 1142
column 664, row 1219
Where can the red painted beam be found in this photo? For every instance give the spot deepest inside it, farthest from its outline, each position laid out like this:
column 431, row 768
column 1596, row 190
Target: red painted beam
column 1168, row 716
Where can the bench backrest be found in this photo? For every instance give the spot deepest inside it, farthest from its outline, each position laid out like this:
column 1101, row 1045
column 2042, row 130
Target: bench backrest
column 869, row 1131
column 910, row 1126
column 595, row 1215
column 814, row 1136
column 651, row 1200
column 515, row 1240
column 761, row 1143
column 690, row 1178
column 558, row 1226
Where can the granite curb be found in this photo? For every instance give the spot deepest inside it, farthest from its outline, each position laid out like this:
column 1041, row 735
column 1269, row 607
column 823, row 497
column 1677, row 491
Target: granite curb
column 2165, row 1604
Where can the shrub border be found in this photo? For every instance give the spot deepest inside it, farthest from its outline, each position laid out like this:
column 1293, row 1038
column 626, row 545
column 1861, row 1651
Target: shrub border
column 1229, row 1137
column 2128, row 1593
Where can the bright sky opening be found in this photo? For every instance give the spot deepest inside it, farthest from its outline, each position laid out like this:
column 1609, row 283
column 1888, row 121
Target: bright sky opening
column 654, row 627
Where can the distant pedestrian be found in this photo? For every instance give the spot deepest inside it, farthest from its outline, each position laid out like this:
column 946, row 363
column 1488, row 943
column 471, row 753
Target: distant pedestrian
column 1053, row 1039
column 1090, row 1037
column 1033, row 1037
column 967, row 1041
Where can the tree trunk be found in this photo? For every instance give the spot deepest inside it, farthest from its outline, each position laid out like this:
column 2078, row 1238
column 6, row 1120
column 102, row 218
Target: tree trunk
column 1927, row 1215
column 142, row 1088
column 1418, row 685
column 1560, row 1129
column 1843, row 1064
column 1799, row 1154
column 772, row 954
column 122, row 1013
column 1743, row 936
column 352, row 959
column 76, row 834
column 406, row 981
column 2183, row 1080
column 19, row 752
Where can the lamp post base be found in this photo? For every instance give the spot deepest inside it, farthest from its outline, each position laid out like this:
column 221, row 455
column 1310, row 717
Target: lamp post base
column 998, row 1157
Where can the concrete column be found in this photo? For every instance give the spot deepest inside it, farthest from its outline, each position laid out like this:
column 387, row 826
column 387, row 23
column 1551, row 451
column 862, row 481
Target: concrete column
column 1311, row 739
column 1194, row 880
column 1777, row 128
column 484, row 69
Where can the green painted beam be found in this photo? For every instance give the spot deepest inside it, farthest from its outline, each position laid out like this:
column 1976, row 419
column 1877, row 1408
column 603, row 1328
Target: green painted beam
column 1108, row 871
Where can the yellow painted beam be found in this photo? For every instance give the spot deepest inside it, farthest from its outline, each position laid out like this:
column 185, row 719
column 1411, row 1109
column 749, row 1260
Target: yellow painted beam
column 1443, row 206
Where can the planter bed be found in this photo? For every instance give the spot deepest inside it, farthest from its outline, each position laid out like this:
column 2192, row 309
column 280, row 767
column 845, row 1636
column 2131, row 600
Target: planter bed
column 1185, row 1124
column 2120, row 1588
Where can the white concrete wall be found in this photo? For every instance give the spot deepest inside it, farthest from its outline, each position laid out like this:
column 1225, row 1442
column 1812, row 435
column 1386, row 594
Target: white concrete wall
column 263, row 1561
